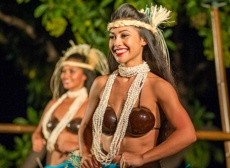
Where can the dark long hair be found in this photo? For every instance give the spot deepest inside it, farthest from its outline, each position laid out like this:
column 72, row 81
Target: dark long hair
column 152, row 52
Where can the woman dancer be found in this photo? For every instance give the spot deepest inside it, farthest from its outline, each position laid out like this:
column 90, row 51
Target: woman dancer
column 70, row 83
column 128, row 111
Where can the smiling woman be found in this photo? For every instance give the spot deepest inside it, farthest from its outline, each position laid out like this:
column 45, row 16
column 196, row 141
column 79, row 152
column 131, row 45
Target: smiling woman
column 70, row 84
column 72, row 76
column 132, row 116
column 121, row 39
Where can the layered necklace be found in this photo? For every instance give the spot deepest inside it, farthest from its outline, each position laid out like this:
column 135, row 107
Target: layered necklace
column 140, row 72
column 80, row 97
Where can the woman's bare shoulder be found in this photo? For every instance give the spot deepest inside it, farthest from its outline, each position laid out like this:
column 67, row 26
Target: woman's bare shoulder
column 50, row 103
column 100, row 81
column 159, row 84
column 156, row 80
column 98, row 85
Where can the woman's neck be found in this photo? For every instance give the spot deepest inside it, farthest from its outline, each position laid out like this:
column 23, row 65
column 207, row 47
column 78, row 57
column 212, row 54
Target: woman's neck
column 75, row 93
column 132, row 71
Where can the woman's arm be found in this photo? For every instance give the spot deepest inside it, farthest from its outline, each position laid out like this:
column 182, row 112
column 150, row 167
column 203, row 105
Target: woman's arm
column 38, row 141
column 178, row 117
column 183, row 135
column 85, row 131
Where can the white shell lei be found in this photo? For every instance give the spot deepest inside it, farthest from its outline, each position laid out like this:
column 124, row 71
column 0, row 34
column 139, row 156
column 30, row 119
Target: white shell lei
column 141, row 72
column 81, row 95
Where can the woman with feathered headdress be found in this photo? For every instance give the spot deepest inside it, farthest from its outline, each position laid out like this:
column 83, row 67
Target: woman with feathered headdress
column 128, row 111
column 70, row 83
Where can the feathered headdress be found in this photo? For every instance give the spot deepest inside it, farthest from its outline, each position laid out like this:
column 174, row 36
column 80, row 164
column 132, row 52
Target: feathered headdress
column 95, row 60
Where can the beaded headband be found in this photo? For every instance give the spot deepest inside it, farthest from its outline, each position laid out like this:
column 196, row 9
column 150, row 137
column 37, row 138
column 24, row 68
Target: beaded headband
column 96, row 60
column 156, row 16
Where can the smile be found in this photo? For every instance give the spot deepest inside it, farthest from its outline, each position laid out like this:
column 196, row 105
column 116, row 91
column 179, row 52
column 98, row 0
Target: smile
column 120, row 52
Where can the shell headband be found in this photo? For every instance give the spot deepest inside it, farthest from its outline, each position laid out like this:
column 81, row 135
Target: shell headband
column 156, row 16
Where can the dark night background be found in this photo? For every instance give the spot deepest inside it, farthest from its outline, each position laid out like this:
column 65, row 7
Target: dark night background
column 13, row 97
column 14, row 94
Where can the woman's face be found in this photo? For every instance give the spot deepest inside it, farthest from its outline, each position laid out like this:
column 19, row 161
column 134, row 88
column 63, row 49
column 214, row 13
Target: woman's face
column 126, row 45
column 72, row 77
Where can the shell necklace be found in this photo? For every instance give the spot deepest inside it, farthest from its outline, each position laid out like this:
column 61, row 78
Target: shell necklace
column 141, row 72
column 80, row 97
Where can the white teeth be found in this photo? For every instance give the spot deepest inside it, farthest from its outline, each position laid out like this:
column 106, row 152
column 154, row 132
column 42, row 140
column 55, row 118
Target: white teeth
column 66, row 81
column 121, row 51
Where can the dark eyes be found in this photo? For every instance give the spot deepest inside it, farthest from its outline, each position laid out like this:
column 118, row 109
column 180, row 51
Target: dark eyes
column 121, row 36
column 124, row 35
column 70, row 70
column 111, row 37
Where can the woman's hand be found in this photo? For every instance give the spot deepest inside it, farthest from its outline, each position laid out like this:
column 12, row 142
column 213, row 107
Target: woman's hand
column 89, row 161
column 131, row 160
column 117, row 159
column 38, row 142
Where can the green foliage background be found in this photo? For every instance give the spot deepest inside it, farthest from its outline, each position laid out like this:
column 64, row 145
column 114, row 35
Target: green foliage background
column 85, row 22
column 88, row 19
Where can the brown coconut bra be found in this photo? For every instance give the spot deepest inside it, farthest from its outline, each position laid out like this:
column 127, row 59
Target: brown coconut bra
column 73, row 126
column 141, row 121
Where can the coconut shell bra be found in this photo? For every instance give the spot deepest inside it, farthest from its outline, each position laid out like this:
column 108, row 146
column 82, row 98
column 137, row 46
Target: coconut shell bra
column 73, row 126
column 141, row 121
